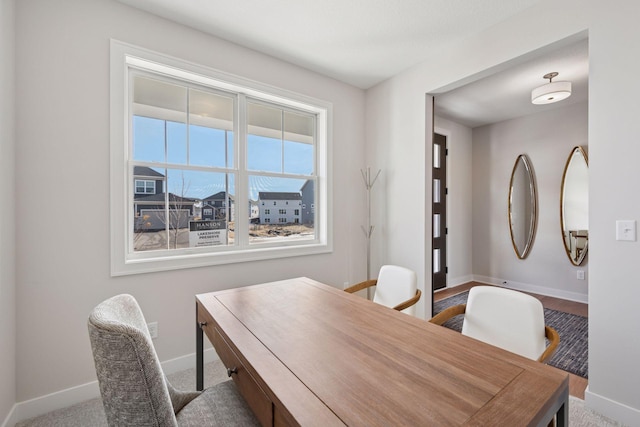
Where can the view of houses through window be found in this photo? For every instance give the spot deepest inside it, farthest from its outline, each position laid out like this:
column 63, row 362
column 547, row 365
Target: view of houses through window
column 199, row 180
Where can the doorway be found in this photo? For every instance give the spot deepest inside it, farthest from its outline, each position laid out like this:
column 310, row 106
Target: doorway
column 439, row 213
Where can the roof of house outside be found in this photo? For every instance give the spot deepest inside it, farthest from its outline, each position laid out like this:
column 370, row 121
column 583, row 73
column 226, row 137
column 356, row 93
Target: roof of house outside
column 218, row 196
column 146, row 171
column 173, row 198
column 266, row 195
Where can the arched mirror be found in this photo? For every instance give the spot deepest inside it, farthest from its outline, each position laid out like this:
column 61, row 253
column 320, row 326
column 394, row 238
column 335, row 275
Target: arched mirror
column 522, row 206
column 574, row 206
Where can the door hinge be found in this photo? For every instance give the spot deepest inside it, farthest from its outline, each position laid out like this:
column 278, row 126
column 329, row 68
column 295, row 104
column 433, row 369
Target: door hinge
column 446, row 152
column 446, row 230
column 446, row 270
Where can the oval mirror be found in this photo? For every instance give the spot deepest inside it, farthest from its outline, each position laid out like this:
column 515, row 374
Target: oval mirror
column 574, row 206
column 522, row 206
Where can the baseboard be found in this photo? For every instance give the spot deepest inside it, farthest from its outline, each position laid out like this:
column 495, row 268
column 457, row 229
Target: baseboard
column 526, row 287
column 186, row 362
column 617, row 411
column 457, row 281
column 63, row 398
column 8, row 421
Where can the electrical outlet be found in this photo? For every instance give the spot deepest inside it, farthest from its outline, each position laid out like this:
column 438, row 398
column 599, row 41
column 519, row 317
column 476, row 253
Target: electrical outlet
column 153, row 329
column 580, row 274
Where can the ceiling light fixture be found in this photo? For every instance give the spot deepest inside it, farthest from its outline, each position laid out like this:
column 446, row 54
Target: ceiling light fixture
column 551, row 92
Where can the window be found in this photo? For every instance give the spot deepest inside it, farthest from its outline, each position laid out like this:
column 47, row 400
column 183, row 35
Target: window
column 267, row 211
column 203, row 135
column 145, row 187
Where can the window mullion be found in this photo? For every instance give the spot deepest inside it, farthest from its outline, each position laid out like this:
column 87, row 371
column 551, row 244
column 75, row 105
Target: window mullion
column 282, row 141
column 166, row 186
column 242, row 183
column 188, row 126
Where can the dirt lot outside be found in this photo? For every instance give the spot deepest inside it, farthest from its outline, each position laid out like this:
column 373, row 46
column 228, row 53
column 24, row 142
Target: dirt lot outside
column 157, row 240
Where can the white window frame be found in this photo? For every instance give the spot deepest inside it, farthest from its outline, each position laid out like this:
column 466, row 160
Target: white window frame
column 146, row 186
column 123, row 260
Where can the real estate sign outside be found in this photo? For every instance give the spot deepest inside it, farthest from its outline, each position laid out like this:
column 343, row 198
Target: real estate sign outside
column 207, row 233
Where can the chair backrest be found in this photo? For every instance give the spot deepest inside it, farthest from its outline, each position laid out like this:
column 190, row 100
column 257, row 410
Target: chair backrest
column 506, row 318
column 396, row 285
column 133, row 387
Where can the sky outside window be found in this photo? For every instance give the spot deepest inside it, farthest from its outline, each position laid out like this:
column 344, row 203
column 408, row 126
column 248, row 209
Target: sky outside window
column 207, row 148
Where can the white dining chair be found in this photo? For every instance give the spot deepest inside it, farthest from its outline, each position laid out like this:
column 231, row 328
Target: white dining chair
column 396, row 287
column 507, row 319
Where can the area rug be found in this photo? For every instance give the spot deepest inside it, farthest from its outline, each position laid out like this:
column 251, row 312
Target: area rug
column 572, row 352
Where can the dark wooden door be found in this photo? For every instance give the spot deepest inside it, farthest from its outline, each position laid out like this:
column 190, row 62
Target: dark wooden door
column 439, row 212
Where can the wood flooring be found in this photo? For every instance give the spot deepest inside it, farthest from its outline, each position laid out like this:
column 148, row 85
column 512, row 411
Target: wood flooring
column 577, row 385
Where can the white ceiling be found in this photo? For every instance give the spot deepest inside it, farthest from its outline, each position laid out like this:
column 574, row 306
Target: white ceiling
column 507, row 94
column 360, row 42
column 364, row 42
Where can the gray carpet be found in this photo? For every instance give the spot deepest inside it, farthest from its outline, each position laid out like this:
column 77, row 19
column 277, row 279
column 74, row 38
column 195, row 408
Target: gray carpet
column 572, row 354
column 91, row 413
column 580, row 416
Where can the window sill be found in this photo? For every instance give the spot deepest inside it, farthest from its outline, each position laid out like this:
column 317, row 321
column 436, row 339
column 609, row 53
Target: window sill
column 190, row 260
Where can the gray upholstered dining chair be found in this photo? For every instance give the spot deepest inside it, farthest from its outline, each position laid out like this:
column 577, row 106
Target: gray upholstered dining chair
column 135, row 391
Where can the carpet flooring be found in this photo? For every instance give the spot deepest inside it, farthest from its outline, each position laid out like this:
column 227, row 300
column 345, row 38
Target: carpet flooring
column 90, row 413
column 572, row 352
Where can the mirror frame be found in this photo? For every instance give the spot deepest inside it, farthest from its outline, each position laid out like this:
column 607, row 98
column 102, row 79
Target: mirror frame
column 534, row 206
column 567, row 250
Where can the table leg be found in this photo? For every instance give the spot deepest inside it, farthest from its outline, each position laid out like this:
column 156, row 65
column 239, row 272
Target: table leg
column 558, row 414
column 199, row 355
column 562, row 417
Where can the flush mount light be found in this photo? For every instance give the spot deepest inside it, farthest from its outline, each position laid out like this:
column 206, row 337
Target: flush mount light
column 551, row 92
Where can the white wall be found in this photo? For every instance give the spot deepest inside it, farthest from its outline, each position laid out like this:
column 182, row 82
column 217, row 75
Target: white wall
column 7, row 212
column 62, row 173
column 547, row 139
column 396, row 133
column 614, row 131
column 400, row 208
column 459, row 198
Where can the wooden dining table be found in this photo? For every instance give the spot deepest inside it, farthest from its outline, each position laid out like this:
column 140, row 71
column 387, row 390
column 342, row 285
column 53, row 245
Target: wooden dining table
column 305, row 353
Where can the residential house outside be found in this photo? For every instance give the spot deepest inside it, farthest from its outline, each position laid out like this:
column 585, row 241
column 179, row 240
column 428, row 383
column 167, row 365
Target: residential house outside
column 217, row 206
column 279, row 207
column 308, row 203
column 146, row 182
column 254, row 211
column 149, row 202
